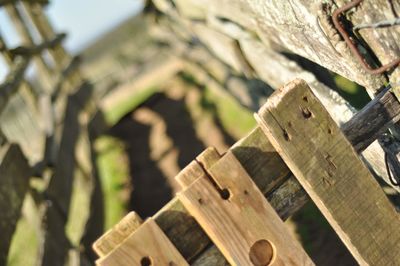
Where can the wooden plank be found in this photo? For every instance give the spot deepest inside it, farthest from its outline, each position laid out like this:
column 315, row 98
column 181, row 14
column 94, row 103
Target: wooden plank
column 14, row 181
column 55, row 244
column 241, row 223
column 116, row 235
column 20, row 123
column 44, row 70
column 148, row 245
column 57, row 52
column 13, row 80
column 301, row 27
column 373, row 120
column 268, row 171
column 322, row 159
column 36, row 49
column 196, row 168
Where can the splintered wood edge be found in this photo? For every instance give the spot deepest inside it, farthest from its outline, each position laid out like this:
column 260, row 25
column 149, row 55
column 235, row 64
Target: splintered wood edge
column 208, row 157
column 196, row 168
column 116, row 235
column 276, row 97
column 189, row 174
column 273, row 101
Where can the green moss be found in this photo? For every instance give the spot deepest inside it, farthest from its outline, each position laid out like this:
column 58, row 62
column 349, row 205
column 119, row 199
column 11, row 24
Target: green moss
column 124, row 107
column 24, row 245
column 114, row 174
column 236, row 119
column 352, row 92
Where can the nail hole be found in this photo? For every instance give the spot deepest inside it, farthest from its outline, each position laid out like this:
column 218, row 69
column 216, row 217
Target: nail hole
column 200, row 201
column 305, row 99
column 306, row 113
column 261, row 253
column 225, row 194
column 145, row 261
column 290, row 124
column 286, row 135
column 246, row 192
column 329, row 131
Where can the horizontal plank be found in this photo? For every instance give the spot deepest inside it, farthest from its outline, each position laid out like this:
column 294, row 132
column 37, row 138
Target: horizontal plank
column 36, row 49
column 373, row 120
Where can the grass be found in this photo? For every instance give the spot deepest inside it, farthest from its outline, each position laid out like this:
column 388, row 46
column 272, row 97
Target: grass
column 235, row 119
column 355, row 94
column 114, row 115
column 114, row 174
column 24, row 245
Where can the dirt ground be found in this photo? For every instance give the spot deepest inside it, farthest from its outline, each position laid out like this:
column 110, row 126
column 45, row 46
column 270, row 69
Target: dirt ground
column 166, row 132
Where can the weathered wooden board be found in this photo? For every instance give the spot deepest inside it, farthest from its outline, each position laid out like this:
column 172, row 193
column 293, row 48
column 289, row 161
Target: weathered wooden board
column 20, row 123
column 268, row 171
column 116, row 235
column 276, row 69
column 148, row 245
column 325, row 163
column 241, row 223
column 301, row 27
column 56, row 244
column 14, row 181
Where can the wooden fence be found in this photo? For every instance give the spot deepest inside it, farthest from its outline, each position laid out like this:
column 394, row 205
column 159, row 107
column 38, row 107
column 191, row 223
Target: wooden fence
column 46, row 128
column 221, row 202
column 44, row 125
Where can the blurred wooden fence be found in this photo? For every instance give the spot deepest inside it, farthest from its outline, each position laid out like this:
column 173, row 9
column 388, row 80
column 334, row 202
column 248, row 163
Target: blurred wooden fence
column 44, row 126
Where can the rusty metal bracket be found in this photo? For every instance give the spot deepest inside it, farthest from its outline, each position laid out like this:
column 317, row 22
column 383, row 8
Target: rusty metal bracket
column 352, row 46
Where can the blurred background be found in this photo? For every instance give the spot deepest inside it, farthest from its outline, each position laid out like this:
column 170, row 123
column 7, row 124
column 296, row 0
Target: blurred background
column 156, row 117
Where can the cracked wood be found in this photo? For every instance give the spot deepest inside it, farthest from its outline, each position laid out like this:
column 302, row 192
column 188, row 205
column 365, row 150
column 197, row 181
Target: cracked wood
column 326, row 165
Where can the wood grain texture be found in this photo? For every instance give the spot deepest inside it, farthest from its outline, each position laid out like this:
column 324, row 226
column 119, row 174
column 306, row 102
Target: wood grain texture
column 274, row 68
column 373, row 120
column 116, row 235
column 268, row 171
column 301, row 27
column 238, row 225
column 322, row 159
column 195, row 169
column 148, row 241
column 14, row 182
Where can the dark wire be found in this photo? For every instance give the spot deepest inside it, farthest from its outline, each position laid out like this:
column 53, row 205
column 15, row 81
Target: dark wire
column 391, row 178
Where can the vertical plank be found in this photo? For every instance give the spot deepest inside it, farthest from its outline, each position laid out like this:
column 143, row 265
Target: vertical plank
column 326, row 165
column 196, row 168
column 241, row 223
column 148, row 245
column 14, row 181
column 116, row 235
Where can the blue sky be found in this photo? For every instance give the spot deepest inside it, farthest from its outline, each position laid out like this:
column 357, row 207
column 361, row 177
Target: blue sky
column 83, row 20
